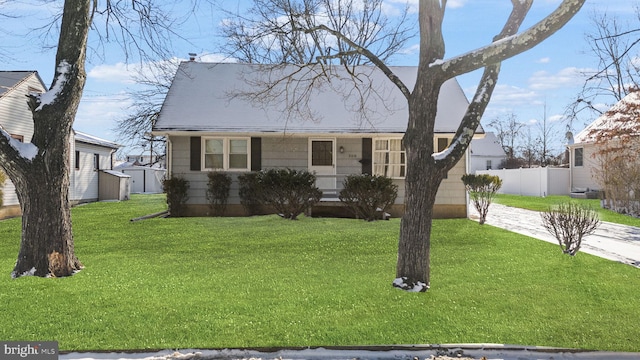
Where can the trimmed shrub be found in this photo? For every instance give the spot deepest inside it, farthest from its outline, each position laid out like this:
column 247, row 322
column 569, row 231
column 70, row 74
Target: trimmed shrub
column 482, row 189
column 176, row 189
column 218, row 188
column 250, row 192
column 368, row 196
column 289, row 192
column 570, row 222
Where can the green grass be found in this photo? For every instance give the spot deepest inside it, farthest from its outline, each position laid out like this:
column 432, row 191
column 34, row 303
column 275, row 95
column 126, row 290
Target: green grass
column 265, row 281
column 542, row 204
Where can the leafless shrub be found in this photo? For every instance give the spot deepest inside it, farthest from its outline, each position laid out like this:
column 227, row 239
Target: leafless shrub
column 570, row 222
column 482, row 189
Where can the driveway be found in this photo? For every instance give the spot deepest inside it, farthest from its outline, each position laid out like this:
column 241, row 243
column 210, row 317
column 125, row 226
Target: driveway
column 610, row 241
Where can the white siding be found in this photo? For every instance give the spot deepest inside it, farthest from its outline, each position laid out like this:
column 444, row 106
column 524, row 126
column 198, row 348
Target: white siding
column 9, row 196
column 451, row 190
column 84, row 181
column 15, row 115
column 16, row 119
column 582, row 177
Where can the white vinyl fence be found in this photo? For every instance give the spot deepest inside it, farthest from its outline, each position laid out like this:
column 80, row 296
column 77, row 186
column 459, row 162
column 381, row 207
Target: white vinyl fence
column 541, row 181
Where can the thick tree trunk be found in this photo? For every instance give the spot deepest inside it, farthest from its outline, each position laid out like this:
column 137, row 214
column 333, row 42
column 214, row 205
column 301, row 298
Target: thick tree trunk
column 422, row 181
column 42, row 181
column 47, row 247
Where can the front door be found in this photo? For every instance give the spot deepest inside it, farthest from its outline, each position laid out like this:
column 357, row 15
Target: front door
column 322, row 162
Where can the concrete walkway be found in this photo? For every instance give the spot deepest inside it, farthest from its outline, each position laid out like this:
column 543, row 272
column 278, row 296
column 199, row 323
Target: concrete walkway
column 610, row 241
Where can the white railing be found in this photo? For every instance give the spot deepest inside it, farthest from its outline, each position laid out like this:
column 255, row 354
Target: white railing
column 330, row 185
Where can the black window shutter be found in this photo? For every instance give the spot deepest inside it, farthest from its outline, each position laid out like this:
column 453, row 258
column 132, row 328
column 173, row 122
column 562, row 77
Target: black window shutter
column 196, row 153
column 256, row 154
column 367, row 156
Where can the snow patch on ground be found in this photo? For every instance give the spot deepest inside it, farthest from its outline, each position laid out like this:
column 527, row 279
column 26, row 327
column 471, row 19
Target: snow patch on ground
column 31, row 272
column 429, row 352
column 403, row 283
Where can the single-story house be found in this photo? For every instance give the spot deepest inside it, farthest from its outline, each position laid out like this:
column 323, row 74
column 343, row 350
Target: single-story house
column 211, row 123
column 583, row 162
column 88, row 154
column 486, row 153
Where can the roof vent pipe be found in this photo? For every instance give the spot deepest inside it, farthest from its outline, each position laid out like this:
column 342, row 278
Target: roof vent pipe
column 192, row 56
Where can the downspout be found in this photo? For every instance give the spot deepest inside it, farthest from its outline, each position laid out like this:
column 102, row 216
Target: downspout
column 466, row 194
column 570, row 169
column 169, row 156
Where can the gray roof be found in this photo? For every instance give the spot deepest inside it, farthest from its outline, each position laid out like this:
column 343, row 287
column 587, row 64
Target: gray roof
column 487, row 146
column 201, row 98
column 10, row 79
column 94, row 140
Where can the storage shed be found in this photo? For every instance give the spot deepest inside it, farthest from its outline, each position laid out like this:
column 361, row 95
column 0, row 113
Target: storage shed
column 114, row 185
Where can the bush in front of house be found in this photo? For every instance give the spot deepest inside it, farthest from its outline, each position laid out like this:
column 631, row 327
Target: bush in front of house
column 3, row 178
column 218, row 188
column 289, row 192
column 570, row 222
column 176, row 189
column 482, row 190
column 368, row 196
column 250, row 192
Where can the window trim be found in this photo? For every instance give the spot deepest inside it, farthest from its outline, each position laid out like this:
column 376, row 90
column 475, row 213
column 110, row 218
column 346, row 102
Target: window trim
column 575, row 158
column 374, row 152
column 226, row 152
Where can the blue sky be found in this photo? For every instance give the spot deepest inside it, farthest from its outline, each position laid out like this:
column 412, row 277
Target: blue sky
column 548, row 74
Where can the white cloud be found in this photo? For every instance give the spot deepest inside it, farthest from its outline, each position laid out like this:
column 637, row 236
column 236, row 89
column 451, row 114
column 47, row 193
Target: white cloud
column 116, row 73
column 411, row 50
column 565, row 78
column 557, row 118
column 454, row 4
column 510, row 96
column 544, row 60
column 97, row 115
column 215, row 58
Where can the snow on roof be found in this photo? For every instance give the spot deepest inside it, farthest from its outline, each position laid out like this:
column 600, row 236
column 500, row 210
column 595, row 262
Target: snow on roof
column 201, row 99
column 487, row 146
column 624, row 115
column 94, row 140
column 11, row 79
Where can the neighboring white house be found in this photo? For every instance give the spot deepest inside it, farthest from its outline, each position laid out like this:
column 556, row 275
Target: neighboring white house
column 207, row 128
column 486, row 153
column 88, row 154
column 145, row 160
column 144, row 179
column 582, row 163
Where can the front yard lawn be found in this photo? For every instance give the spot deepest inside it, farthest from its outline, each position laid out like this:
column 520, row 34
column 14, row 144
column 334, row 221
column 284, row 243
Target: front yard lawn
column 264, row 281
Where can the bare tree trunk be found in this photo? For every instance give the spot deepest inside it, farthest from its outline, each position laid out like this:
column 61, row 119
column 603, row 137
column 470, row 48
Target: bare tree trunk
column 422, row 181
column 42, row 180
column 47, row 240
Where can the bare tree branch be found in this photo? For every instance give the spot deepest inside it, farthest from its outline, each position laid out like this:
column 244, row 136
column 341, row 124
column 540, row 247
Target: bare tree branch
column 510, row 46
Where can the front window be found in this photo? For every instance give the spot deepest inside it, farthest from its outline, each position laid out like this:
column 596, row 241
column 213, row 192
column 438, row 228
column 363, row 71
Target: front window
column 489, row 165
column 238, row 154
column 578, row 161
column 389, row 158
column 226, row 154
